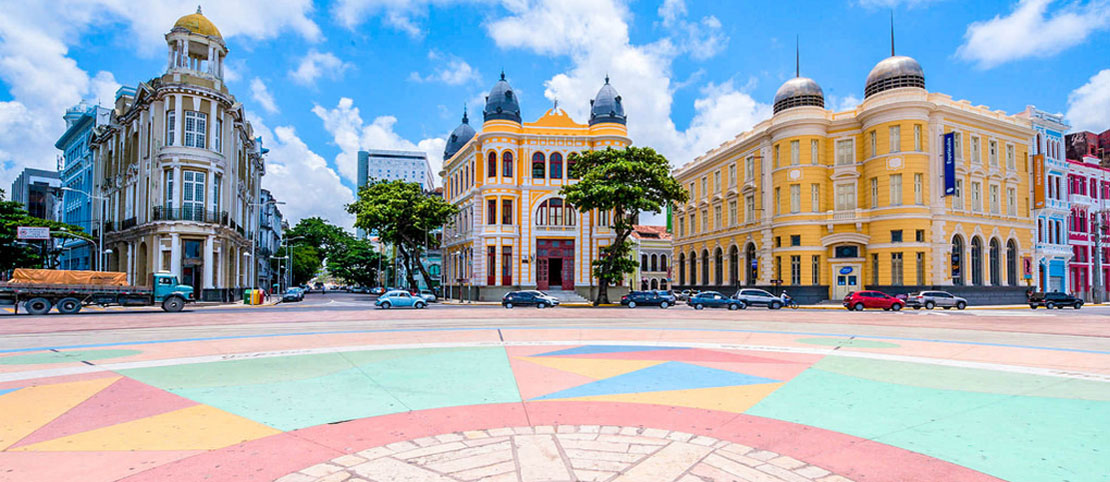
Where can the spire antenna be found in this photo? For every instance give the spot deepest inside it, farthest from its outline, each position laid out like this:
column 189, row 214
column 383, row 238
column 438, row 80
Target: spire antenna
column 198, row 10
column 892, row 32
column 797, row 57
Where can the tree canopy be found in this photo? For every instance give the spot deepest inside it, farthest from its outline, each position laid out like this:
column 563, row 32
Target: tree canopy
column 19, row 254
column 356, row 263
column 624, row 183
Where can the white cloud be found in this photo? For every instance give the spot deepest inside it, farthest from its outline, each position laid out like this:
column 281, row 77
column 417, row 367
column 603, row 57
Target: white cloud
column 318, row 64
column 1089, row 105
column 262, row 95
column 404, row 15
column 1030, row 30
column 672, row 10
column 301, row 178
column 44, row 80
column 451, row 71
column 351, row 135
column 840, row 104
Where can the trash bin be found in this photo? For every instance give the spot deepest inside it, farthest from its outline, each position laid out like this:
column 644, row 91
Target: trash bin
column 256, row 297
column 247, row 296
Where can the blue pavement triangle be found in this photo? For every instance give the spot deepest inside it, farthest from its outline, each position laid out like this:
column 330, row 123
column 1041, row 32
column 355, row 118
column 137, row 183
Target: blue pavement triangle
column 7, row 390
column 594, row 349
column 663, row 377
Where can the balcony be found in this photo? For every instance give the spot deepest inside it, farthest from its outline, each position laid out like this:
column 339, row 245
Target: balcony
column 161, row 213
column 845, row 215
column 1080, row 199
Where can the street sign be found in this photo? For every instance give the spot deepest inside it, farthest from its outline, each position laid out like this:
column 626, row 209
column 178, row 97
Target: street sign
column 34, row 233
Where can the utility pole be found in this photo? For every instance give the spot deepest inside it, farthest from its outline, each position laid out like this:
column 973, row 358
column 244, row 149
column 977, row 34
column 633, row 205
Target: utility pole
column 1098, row 227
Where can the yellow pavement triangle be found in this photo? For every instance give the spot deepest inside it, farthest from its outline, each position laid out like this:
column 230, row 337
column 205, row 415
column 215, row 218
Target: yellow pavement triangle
column 199, row 427
column 28, row 409
column 726, row 399
column 597, row 369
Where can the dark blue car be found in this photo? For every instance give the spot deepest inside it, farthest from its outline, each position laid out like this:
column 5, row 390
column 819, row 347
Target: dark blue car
column 713, row 299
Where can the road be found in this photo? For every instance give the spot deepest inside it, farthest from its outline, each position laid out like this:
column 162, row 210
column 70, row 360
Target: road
column 333, row 389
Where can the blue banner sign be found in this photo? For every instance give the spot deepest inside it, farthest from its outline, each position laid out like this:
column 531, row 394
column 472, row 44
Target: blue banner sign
column 846, row 270
column 950, row 164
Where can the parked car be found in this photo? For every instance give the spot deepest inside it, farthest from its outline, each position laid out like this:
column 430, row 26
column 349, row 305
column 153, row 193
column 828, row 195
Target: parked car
column 400, row 299
column 662, row 299
column 539, row 299
column 428, row 296
column 713, row 299
column 377, row 290
column 1054, row 299
column 293, row 294
column 758, row 297
column 932, row 299
column 859, row 300
column 685, row 295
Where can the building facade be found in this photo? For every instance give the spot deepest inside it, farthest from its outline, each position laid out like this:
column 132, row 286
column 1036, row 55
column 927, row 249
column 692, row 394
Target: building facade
column 271, row 229
column 180, row 170
column 832, row 202
column 76, row 173
column 652, row 246
column 1051, row 205
column 1089, row 193
column 1088, row 144
column 513, row 230
column 36, row 190
column 386, row 165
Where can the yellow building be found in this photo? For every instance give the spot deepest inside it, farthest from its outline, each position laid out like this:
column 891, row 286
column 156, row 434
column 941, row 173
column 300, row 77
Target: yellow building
column 832, row 202
column 513, row 230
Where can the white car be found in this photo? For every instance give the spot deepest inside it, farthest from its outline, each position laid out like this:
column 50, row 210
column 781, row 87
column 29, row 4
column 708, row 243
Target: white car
column 428, row 296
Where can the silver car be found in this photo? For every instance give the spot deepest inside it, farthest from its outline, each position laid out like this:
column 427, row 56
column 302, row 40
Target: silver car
column 933, row 299
column 758, row 297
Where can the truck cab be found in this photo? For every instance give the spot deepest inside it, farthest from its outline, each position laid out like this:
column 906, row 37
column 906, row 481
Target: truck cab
column 166, row 286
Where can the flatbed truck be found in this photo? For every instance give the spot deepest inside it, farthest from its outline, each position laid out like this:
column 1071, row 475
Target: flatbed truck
column 39, row 298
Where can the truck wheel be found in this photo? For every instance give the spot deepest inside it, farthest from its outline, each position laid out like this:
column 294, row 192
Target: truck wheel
column 173, row 304
column 37, row 306
column 69, row 306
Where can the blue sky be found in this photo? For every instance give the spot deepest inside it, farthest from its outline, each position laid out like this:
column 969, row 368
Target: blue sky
column 322, row 80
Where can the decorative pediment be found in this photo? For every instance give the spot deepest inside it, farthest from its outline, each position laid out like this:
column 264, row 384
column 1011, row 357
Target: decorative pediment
column 841, row 238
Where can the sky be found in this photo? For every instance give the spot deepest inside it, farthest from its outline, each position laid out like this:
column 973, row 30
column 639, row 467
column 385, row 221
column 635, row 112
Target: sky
column 322, row 80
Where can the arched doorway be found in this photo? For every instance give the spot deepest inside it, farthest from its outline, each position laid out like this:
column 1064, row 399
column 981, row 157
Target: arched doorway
column 654, row 284
column 705, row 267
column 733, row 265
column 1011, row 263
column 751, row 265
column 995, row 257
column 957, row 260
column 693, row 268
column 681, row 269
column 976, row 261
column 718, row 267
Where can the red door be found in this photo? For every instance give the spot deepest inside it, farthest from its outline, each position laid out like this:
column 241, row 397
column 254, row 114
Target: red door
column 568, row 265
column 491, row 266
column 541, row 274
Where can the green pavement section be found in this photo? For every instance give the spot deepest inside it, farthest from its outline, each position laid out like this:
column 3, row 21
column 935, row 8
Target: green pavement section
column 1017, row 438
column 64, row 356
column 294, row 392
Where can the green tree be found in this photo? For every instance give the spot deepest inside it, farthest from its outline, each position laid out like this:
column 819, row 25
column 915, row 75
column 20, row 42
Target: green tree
column 403, row 215
column 306, row 263
column 356, row 263
column 623, row 182
column 19, row 254
column 319, row 239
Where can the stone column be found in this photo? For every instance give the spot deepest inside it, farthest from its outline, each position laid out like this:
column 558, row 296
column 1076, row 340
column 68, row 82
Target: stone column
column 237, row 253
column 179, row 124
column 175, row 254
column 130, row 263
column 178, row 185
column 157, row 249
column 208, row 261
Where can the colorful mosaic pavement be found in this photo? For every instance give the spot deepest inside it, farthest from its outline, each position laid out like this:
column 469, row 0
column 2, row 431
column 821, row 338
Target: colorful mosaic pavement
column 554, row 404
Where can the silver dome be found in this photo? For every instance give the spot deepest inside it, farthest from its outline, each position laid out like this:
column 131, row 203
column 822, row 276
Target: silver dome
column 459, row 137
column 607, row 106
column 797, row 92
column 892, row 73
column 501, row 102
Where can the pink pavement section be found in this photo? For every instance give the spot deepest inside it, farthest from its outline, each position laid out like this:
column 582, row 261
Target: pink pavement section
column 275, row 456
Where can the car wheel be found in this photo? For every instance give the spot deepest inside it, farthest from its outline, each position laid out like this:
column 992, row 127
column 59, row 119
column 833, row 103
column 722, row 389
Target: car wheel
column 961, row 305
column 37, row 306
column 896, row 307
column 1050, row 305
column 775, row 305
column 858, row 307
column 419, row 306
column 743, row 306
column 508, row 306
column 699, row 306
column 664, row 305
column 1032, row 306
column 541, row 305
column 386, row 305
column 929, row 305
column 69, row 306
column 631, row 304
column 733, row 307
column 1078, row 305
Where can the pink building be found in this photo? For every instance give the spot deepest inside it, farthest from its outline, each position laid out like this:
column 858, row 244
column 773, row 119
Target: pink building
column 1089, row 193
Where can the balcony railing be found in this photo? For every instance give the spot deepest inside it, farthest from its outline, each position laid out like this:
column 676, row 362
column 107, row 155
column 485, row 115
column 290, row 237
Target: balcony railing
column 162, row 213
column 128, row 223
column 1080, row 199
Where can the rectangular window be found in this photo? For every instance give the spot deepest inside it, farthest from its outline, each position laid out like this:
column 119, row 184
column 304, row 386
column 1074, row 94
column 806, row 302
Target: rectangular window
column 167, row 188
column 775, row 156
column 815, row 270
column 795, row 153
column 871, row 141
column 491, row 211
column 718, row 223
column 705, row 186
column 704, row 221
column 603, row 219
column 491, row 265
column 1010, row 162
column 732, row 213
column 217, row 184
column 895, row 189
column 992, row 152
column 795, row 270
column 171, row 123
column 693, row 193
column 918, row 188
column 845, row 197
column 778, row 241
column 681, row 226
column 693, row 224
column 218, row 135
column 976, row 197
column 815, row 197
column 192, row 194
column 844, row 152
column 958, row 196
column 795, row 240
column 994, row 199
column 777, row 202
column 958, row 144
column 917, row 137
column 749, row 209
column 795, row 198
column 196, row 125
column 749, row 168
column 506, row 211
column 976, row 154
column 778, row 268
column 895, row 138
column 896, row 235
column 717, row 181
column 1011, row 201
column 896, row 269
column 874, row 192
column 732, row 175
column 920, row 269
column 813, row 152
column 506, row 265
column 875, row 269
column 919, row 235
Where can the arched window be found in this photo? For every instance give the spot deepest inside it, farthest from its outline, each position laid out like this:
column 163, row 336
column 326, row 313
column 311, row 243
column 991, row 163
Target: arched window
column 654, row 284
column 681, row 269
column 996, row 262
column 733, row 265
column 570, row 169
column 693, row 268
column 556, row 163
column 751, row 263
column 537, row 166
column 976, row 261
column 705, row 267
column 1011, row 263
column 491, row 165
column 555, row 212
column 644, row 262
column 662, row 262
column 507, row 164
column 654, row 262
column 718, row 266
column 957, row 260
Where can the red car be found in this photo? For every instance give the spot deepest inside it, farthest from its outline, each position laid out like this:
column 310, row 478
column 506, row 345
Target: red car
column 858, row 300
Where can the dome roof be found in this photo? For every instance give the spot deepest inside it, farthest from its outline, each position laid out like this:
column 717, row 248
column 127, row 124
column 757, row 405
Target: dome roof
column 501, row 102
column 797, row 92
column 607, row 106
column 894, row 72
column 198, row 24
column 459, row 137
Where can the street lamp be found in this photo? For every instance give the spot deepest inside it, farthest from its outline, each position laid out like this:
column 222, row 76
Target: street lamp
column 254, row 237
column 100, row 219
